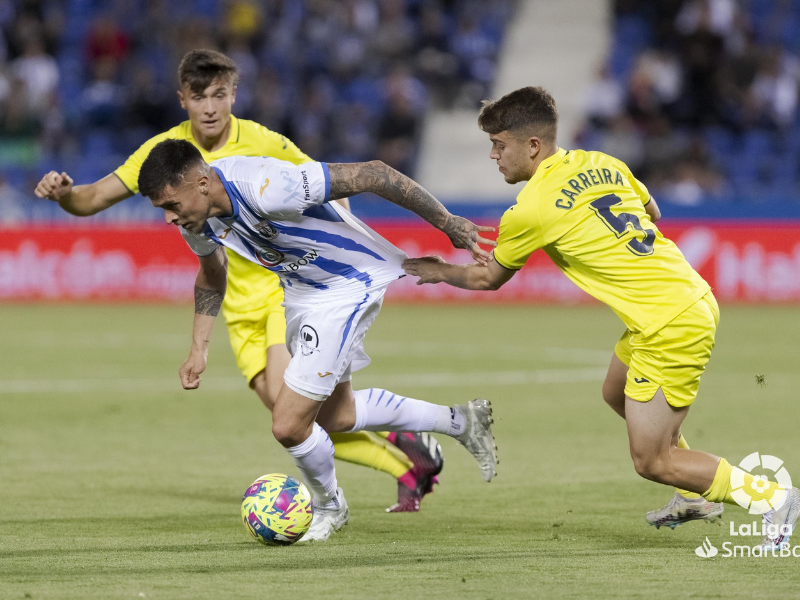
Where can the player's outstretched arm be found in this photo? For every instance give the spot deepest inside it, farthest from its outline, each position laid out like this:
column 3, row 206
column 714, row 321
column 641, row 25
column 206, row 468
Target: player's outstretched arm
column 82, row 200
column 209, row 292
column 432, row 269
column 379, row 178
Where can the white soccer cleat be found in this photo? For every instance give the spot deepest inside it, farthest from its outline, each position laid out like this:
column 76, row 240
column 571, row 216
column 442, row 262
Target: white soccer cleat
column 477, row 436
column 327, row 520
column 680, row 510
column 782, row 522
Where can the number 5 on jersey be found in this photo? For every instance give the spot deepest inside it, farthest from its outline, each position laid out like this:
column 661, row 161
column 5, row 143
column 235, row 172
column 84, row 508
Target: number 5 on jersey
column 618, row 224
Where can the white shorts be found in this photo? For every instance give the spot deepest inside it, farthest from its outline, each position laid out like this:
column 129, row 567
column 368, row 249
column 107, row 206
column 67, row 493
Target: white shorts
column 326, row 342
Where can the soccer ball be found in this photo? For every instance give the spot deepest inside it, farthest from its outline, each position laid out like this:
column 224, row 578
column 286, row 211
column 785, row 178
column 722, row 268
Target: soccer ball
column 277, row 509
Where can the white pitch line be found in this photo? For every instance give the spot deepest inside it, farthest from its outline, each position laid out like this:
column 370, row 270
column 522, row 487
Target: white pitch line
column 582, row 356
column 220, row 384
column 490, row 378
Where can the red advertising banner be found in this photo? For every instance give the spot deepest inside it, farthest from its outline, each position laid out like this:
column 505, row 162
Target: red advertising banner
column 743, row 262
column 95, row 263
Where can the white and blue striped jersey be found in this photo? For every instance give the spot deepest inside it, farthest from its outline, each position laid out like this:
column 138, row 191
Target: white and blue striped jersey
column 282, row 220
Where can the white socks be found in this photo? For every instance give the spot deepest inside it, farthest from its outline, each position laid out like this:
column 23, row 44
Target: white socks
column 381, row 410
column 314, row 459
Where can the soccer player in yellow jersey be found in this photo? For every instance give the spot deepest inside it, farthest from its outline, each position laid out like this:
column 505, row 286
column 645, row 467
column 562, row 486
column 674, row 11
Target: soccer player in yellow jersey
column 596, row 221
column 253, row 304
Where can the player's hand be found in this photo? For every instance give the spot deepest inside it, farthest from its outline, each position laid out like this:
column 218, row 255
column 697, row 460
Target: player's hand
column 191, row 369
column 54, row 186
column 426, row 268
column 465, row 234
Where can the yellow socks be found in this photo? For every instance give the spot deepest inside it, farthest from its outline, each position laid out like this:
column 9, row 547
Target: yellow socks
column 369, row 450
column 748, row 488
column 685, row 493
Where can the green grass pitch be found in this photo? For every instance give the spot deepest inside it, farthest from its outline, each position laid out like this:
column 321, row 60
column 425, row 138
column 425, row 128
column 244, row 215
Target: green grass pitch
column 115, row 483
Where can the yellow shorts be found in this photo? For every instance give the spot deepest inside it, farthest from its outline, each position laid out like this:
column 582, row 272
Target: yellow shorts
column 253, row 310
column 673, row 358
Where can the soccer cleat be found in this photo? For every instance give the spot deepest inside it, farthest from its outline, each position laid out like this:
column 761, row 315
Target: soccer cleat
column 327, row 520
column 680, row 510
column 477, row 436
column 426, row 454
column 408, row 499
column 782, row 522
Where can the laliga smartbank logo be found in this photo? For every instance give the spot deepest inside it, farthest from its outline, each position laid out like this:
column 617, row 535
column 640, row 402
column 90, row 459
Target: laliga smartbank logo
column 755, row 493
column 752, row 496
column 706, row 549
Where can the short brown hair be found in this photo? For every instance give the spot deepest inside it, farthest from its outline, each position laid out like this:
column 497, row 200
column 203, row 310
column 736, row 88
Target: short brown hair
column 200, row 68
column 527, row 111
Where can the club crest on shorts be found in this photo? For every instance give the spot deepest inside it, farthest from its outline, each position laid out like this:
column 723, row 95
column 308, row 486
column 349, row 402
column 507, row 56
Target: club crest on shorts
column 309, row 340
column 268, row 257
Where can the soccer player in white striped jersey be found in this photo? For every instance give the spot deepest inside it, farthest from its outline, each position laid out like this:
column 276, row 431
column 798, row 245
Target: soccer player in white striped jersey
column 334, row 271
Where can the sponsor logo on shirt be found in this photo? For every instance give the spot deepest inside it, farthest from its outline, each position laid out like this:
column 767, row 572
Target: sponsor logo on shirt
column 306, row 187
column 292, row 267
column 269, row 257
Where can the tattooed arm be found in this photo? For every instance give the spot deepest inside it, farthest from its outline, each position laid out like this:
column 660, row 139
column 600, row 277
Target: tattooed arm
column 376, row 177
column 209, row 291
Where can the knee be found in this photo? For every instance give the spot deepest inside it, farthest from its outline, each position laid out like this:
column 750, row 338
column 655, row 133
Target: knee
column 287, row 433
column 653, row 467
column 612, row 394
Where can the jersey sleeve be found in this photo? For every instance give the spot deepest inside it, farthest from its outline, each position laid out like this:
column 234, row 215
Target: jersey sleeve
column 280, row 147
column 638, row 187
column 199, row 243
column 286, row 190
column 519, row 237
column 128, row 173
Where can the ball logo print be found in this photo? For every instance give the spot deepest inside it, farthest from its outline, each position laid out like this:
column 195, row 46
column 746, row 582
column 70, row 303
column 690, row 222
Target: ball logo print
column 752, row 495
column 706, row 549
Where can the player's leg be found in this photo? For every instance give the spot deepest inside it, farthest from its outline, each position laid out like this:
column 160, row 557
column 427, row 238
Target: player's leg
column 673, row 360
column 653, row 432
column 377, row 409
column 267, row 383
column 257, row 333
column 653, row 429
column 614, row 384
column 426, row 453
column 327, row 344
column 684, row 506
column 360, row 448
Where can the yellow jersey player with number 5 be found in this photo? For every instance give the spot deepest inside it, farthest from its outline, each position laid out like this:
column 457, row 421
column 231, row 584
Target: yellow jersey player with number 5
column 596, row 221
column 253, row 303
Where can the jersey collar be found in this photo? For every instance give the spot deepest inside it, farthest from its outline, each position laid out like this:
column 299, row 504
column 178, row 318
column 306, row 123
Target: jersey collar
column 551, row 160
column 233, row 138
column 233, row 194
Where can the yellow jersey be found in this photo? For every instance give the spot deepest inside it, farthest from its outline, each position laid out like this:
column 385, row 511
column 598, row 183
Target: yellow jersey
column 249, row 286
column 586, row 210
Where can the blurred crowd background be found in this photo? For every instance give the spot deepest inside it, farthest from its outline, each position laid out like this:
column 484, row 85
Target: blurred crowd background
column 83, row 83
column 699, row 97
